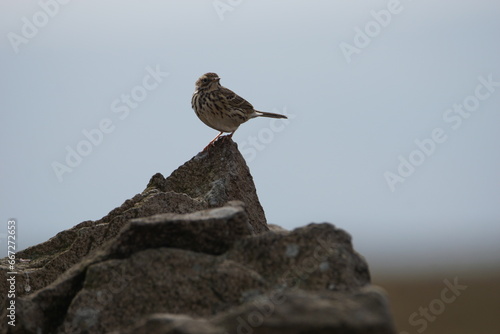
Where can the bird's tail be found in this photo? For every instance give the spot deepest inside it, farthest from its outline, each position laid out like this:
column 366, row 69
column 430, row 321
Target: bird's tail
column 269, row 114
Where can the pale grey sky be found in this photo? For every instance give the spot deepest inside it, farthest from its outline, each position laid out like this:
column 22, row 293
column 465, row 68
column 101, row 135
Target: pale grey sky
column 363, row 83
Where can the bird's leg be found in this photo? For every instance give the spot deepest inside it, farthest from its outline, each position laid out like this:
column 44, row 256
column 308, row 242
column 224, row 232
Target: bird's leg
column 228, row 137
column 213, row 140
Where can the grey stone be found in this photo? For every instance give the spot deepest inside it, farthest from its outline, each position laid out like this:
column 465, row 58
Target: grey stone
column 65, row 304
column 170, row 280
column 314, row 257
column 172, row 324
column 193, row 254
column 209, row 179
column 298, row 311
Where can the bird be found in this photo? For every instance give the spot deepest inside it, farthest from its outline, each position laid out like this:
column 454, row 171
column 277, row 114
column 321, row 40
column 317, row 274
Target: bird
column 222, row 109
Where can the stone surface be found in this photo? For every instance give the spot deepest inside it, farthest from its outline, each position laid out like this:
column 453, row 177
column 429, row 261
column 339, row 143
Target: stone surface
column 208, row 180
column 298, row 311
column 208, row 231
column 172, row 323
column 118, row 293
column 215, row 177
column 193, row 254
column 298, row 280
column 109, row 278
column 315, row 257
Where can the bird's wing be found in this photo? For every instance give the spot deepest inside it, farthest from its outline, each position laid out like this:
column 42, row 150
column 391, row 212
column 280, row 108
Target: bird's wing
column 236, row 101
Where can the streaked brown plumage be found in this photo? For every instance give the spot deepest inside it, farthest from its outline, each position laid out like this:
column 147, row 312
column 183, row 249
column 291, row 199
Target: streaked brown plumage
column 220, row 108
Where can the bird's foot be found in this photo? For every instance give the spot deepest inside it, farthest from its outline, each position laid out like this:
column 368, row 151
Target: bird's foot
column 218, row 137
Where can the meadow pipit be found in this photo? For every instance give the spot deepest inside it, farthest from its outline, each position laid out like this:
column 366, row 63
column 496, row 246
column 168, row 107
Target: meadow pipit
column 222, row 109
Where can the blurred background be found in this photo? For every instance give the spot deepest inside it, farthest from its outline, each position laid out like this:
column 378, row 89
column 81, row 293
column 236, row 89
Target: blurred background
column 393, row 127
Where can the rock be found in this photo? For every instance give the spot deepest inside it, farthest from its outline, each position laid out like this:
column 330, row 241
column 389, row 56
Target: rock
column 209, row 179
column 211, row 231
column 276, row 228
column 315, row 257
column 155, row 265
column 193, row 254
column 297, row 311
column 292, row 312
column 215, row 177
column 172, row 323
column 121, row 292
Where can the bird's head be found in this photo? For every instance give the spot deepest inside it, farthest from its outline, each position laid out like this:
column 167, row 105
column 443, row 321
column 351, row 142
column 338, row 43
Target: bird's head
column 208, row 81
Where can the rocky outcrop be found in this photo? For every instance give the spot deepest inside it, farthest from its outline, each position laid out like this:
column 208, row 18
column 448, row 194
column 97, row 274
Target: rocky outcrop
column 291, row 312
column 209, row 179
column 193, row 254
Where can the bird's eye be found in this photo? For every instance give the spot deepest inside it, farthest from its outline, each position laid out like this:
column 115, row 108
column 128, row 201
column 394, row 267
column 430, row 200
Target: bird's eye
column 205, row 80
